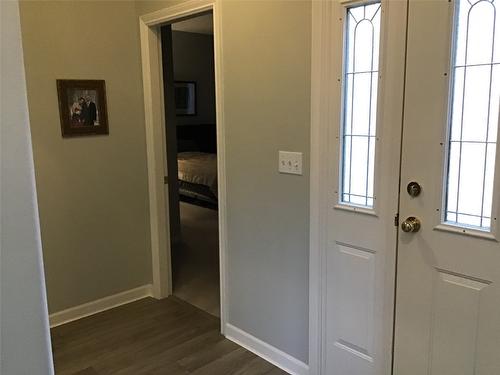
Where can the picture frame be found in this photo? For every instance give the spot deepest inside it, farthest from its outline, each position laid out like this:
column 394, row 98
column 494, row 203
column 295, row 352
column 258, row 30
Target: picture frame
column 185, row 98
column 82, row 107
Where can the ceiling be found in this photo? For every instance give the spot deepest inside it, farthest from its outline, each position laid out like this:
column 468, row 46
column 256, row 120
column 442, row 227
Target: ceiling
column 200, row 25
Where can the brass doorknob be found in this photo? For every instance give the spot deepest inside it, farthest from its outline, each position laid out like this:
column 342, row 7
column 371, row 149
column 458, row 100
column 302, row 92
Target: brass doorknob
column 411, row 225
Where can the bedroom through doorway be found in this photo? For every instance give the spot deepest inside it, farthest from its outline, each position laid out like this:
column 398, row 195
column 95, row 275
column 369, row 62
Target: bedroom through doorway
column 191, row 143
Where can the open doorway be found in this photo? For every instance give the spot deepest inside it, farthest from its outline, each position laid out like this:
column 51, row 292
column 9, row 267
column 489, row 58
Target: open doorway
column 191, row 143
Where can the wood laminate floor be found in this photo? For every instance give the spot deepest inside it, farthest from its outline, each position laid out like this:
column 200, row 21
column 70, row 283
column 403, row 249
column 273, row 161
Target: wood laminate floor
column 168, row 337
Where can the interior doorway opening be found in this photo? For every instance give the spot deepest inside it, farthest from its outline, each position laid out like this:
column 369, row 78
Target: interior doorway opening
column 191, row 160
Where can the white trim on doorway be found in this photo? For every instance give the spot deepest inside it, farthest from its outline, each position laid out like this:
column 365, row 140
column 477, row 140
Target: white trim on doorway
column 320, row 56
column 155, row 141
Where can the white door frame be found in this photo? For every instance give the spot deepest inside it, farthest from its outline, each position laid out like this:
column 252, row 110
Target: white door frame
column 149, row 25
column 318, row 211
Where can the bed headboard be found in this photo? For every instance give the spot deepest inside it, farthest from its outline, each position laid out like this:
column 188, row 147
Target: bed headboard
column 202, row 137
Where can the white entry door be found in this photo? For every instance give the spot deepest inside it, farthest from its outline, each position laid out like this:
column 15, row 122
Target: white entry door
column 448, row 283
column 365, row 61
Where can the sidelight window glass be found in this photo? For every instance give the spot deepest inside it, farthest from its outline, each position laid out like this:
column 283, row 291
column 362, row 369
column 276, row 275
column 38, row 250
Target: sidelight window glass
column 360, row 77
column 474, row 111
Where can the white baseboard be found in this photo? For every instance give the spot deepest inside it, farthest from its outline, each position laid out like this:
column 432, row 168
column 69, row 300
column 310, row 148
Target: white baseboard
column 103, row 304
column 271, row 354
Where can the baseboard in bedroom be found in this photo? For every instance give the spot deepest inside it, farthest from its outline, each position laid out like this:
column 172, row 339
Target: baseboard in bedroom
column 268, row 352
column 103, row 304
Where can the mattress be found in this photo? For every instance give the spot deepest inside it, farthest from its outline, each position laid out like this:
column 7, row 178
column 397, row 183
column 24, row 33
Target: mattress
column 198, row 168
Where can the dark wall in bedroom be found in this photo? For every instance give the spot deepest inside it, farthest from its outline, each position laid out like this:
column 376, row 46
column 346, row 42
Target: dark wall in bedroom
column 194, row 61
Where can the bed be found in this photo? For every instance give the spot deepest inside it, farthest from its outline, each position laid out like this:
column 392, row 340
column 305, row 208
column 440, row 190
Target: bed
column 197, row 174
column 197, row 164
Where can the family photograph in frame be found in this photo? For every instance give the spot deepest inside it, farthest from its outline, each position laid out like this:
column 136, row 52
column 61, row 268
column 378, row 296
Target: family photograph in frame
column 82, row 107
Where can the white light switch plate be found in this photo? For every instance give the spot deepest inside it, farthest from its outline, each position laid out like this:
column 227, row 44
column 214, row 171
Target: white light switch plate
column 290, row 162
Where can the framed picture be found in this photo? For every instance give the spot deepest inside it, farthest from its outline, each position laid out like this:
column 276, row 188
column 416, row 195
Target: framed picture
column 82, row 107
column 185, row 98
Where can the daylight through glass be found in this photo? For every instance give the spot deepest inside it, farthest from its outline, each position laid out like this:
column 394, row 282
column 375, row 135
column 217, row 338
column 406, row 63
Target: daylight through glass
column 475, row 94
column 362, row 41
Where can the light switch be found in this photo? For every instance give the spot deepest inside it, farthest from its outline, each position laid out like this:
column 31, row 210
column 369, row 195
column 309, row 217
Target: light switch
column 290, row 162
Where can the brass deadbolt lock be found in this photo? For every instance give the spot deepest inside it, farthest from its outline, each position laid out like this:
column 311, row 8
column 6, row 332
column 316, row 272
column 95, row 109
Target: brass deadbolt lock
column 414, row 189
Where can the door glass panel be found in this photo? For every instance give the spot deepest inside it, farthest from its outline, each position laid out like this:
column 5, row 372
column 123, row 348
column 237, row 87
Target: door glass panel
column 362, row 39
column 475, row 94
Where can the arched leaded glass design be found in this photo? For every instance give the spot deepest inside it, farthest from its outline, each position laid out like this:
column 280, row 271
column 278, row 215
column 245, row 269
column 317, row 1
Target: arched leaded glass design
column 475, row 93
column 362, row 40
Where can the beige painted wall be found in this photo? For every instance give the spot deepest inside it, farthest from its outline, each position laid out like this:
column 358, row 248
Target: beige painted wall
column 92, row 191
column 266, row 72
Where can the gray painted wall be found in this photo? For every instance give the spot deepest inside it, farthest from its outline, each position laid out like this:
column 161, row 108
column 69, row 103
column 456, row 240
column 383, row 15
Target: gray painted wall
column 266, row 72
column 194, row 61
column 266, row 61
column 92, row 191
column 24, row 334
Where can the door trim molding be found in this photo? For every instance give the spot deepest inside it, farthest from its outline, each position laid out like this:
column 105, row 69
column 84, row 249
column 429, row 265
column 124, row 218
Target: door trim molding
column 322, row 21
column 155, row 142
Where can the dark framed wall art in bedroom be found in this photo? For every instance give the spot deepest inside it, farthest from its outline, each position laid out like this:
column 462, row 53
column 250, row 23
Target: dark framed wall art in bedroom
column 185, row 98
